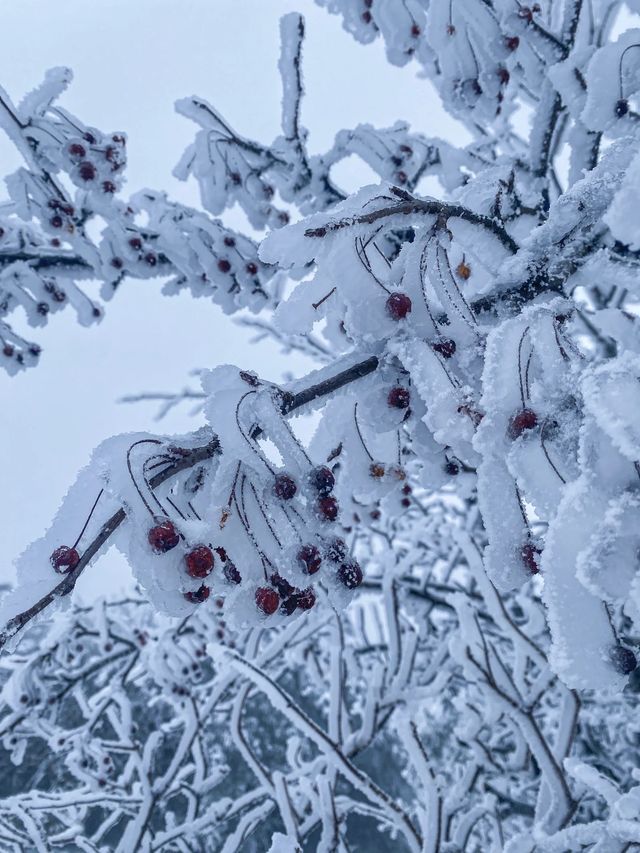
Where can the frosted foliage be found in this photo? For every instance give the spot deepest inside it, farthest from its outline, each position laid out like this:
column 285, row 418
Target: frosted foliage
column 421, row 555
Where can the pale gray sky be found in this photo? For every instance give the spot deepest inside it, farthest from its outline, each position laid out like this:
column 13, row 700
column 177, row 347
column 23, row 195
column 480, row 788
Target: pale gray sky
column 131, row 61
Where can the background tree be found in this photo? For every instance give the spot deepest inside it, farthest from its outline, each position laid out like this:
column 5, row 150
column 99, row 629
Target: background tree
column 472, row 479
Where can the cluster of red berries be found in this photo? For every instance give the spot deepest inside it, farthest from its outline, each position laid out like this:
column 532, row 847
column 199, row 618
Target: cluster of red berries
column 95, row 162
column 143, row 252
column 61, row 215
column 283, row 596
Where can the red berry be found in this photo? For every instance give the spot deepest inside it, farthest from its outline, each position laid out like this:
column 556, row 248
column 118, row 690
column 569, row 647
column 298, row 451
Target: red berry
column 90, row 138
column 108, row 187
column 530, row 553
column 623, row 659
column 522, row 421
column 117, row 263
column 285, row 589
column 350, row 574
column 398, row 305
column 56, row 222
column 327, row 508
column 322, row 480
column 451, row 468
column 231, row 573
column 621, row 109
column 512, row 42
column 199, row 595
column 306, row 599
column 135, row 243
column 401, row 177
column 151, row 259
column 415, row 31
column 284, row 487
column 77, row 150
column 252, row 268
column 64, row 559
column 399, row 398
column 199, row 561
column 309, row 558
column 445, row 347
column 336, row 550
column 503, row 76
column 229, row 241
column 87, row 171
column 366, row 17
column 267, row 600
column 289, row 605
column 163, row 537
column 224, row 265
column 8, row 350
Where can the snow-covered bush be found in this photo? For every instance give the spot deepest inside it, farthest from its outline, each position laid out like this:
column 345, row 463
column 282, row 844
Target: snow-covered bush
column 476, row 403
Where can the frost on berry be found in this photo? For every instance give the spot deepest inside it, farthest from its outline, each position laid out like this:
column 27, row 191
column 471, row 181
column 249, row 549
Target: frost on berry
column 64, row 559
column 267, row 600
column 199, row 561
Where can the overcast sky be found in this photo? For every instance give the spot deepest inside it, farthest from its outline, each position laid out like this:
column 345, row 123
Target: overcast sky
column 131, row 61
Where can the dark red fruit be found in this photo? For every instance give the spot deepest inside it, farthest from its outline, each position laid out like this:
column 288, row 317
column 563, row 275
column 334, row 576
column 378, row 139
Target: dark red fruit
column 306, row 599
column 224, row 265
column 163, row 537
column 151, row 259
column 231, row 573
column 56, row 222
column 623, row 659
column 399, row 398
column 310, row 559
column 199, row 595
column 267, row 600
column 622, row 107
column 135, row 243
column 289, row 605
column 117, row 263
column 415, row 31
column 503, row 76
column 336, row 550
column 530, row 554
column 284, row 487
column 445, row 347
column 90, row 138
column 77, row 150
column 108, row 187
column 366, row 17
column 87, row 171
column 401, row 177
column 199, row 561
column 252, row 268
column 522, row 421
column 512, row 42
column 285, row 589
column 327, row 508
column 350, row 574
column 322, row 480
column 64, row 559
column 229, row 241
column 8, row 350
column 451, row 468
column 398, row 305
